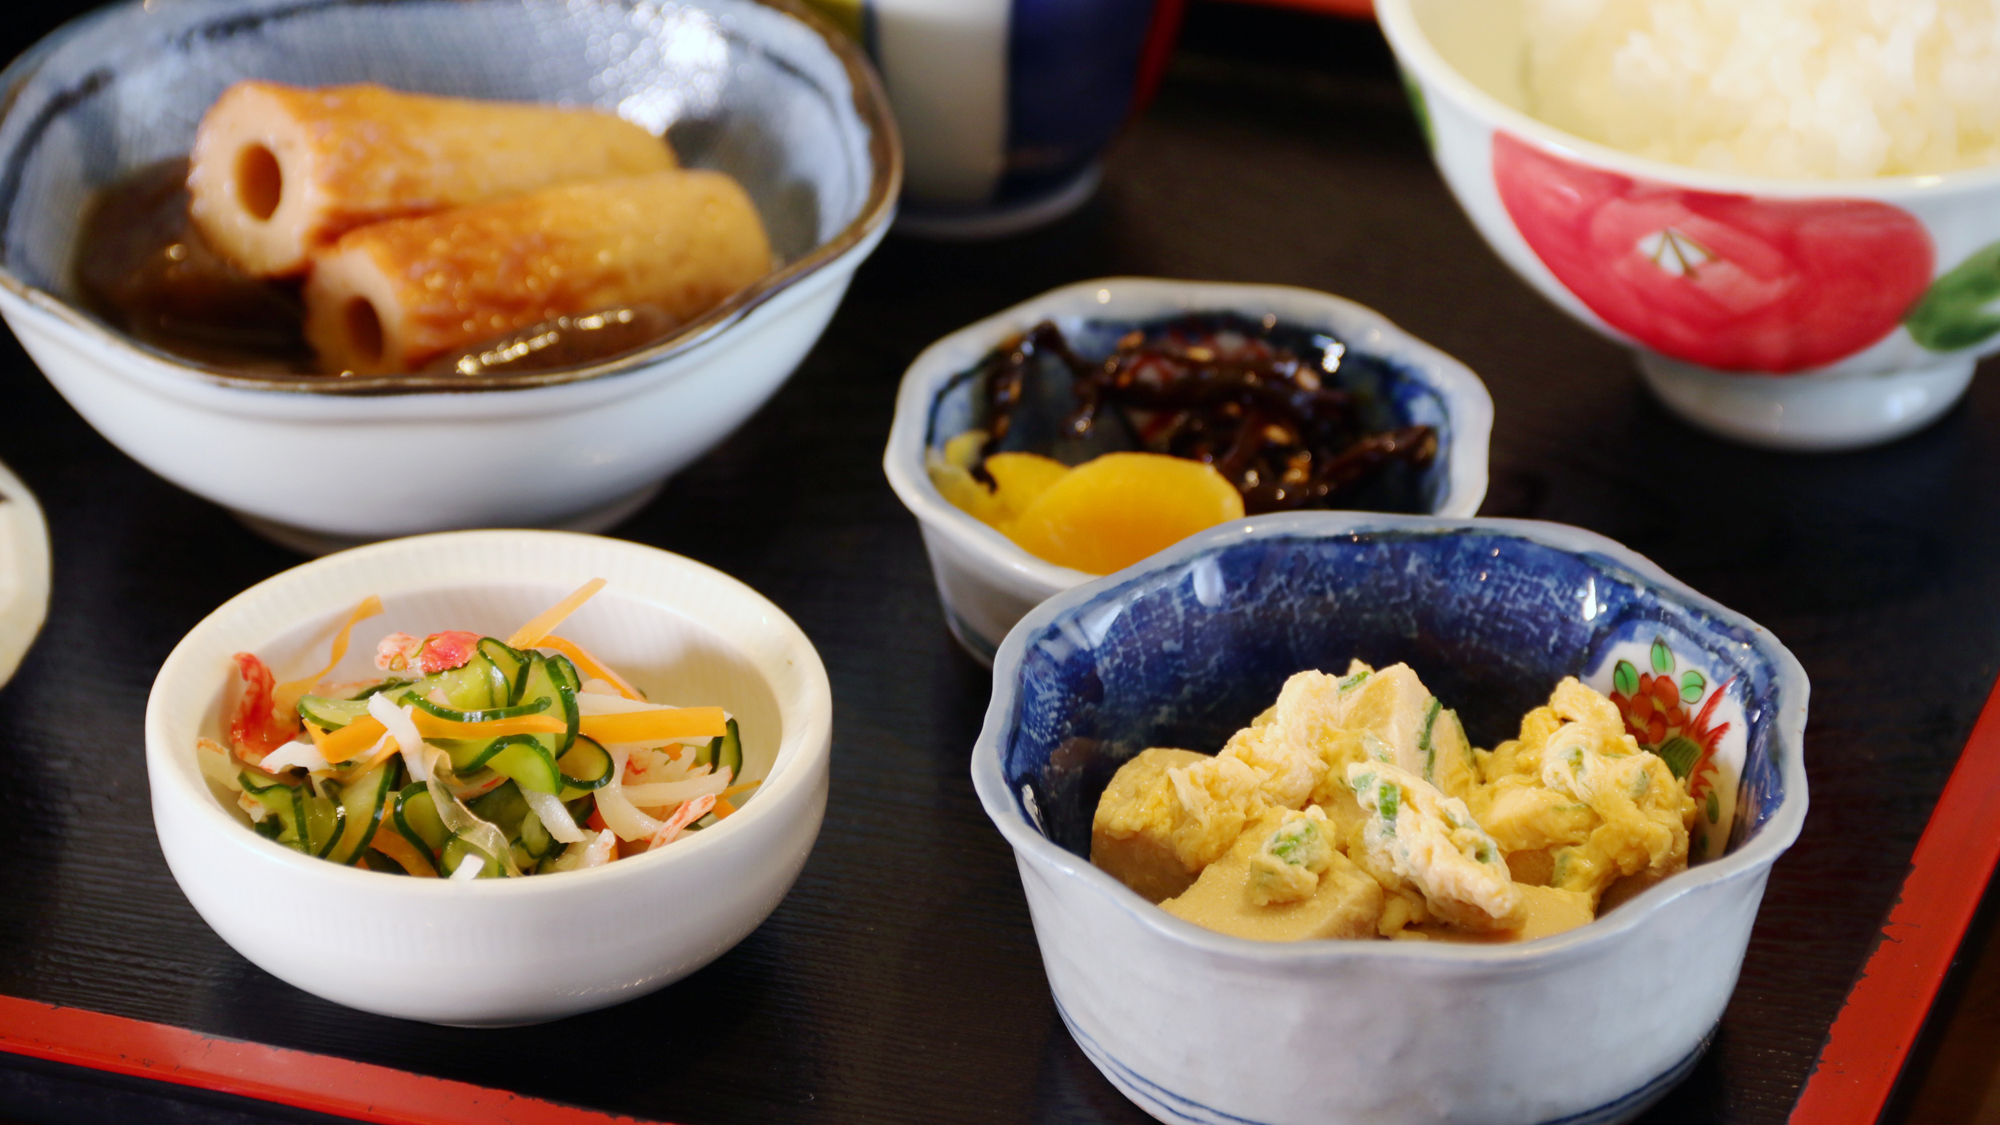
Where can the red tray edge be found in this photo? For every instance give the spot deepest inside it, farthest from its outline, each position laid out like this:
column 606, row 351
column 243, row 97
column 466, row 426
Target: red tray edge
column 322, row 1083
column 1949, row 870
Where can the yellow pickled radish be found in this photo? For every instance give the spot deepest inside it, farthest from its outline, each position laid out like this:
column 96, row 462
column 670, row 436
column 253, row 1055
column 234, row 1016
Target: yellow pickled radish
column 964, row 449
column 1021, row 478
column 1017, row 479
column 956, row 485
column 1109, row 513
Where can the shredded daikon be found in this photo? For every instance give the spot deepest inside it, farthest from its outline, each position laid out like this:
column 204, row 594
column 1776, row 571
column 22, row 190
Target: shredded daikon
column 659, row 794
column 401, row 727
column 458, row 818
column 618, row 813
column 593, row 703
column 599, row 852
column 468, row 868
column 215, row 764
column 554, row 816
column 294, row 755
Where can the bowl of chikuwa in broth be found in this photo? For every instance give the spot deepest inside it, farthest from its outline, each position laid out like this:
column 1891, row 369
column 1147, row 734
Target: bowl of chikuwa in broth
column 361, row 230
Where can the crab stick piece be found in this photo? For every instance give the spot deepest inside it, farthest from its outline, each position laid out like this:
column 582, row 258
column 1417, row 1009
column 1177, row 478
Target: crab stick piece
column 393, row 296
column 278, row 171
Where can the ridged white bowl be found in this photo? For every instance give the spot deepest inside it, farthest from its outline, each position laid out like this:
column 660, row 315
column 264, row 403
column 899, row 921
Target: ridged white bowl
column 986, row 581
column 507, row 951
column 24, row 572
column 1588, row 1027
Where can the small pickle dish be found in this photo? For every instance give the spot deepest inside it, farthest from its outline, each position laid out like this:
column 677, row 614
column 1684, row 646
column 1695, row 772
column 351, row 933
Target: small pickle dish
column 1586, row 1027
column 1379, row 378
column 478, row 949
column 762, row 91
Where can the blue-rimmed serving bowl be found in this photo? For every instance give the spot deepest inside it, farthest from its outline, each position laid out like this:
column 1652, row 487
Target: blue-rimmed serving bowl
column 986, row 582
column 1588, row 1026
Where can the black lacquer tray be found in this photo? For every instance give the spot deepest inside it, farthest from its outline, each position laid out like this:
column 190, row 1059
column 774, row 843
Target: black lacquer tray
column 900, row 981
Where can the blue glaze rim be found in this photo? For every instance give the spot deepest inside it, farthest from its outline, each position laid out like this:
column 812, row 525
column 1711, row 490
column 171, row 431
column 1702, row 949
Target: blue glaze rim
column 1466, row 404
column 1745, row 859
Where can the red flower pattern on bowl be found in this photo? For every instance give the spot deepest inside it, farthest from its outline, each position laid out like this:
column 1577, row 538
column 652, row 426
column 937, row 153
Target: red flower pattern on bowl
column 1721, row 280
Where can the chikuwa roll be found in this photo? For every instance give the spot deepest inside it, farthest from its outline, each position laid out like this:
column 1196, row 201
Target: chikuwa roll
column 394, row 295
column 279, row 171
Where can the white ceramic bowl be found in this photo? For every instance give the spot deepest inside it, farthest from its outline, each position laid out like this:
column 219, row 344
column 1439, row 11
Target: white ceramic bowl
column 1587, row 1027
column 1772, row 311
column 760, row 90
column 986, row 582
column 505, row 951
column 24, row 572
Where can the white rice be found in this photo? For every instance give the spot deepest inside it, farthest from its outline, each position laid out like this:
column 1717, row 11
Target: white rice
column 1794, row 88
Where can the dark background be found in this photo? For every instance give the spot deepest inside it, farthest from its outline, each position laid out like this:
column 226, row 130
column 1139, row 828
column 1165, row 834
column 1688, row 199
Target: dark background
column 900, row 980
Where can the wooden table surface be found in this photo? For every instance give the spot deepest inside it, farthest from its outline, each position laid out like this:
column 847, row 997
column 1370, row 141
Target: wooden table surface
column 900, row 981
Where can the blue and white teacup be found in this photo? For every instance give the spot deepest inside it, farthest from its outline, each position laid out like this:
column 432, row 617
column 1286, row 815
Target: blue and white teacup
column 1007, row 106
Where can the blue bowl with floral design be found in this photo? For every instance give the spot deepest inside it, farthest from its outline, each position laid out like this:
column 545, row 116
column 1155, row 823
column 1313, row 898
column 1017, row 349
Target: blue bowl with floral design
column 1592, row 1025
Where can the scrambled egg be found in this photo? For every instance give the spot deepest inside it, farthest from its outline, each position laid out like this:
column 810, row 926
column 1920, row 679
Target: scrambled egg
column 1356, row 807
column 1577, row 805
column 1431, row 840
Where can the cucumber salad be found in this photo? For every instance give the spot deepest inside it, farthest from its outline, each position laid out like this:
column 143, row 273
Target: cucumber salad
column 472, row 757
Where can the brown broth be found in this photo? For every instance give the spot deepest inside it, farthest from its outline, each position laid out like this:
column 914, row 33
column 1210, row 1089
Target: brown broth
column 143, row 267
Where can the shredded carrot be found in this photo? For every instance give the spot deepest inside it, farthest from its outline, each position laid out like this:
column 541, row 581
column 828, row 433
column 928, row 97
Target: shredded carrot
column 390, row 844
column 430, row 726
column 352, row 739
column 743, row 788
column 723, row 808
column 657, row 726
column 287, row 695
column 387, row 751
column 591, row 666
column 360, row 734
column 530, row 635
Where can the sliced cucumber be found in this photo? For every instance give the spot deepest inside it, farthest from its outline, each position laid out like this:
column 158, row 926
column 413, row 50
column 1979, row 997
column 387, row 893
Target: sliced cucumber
column 487, row 715
column 535, row 838
column 458, row 847
column 323, row 820
column 504, row 808
column 385, row 685
column 467, row 686
column 286, row 807
column 331, row 714
column 524, row 758
column 468, row 754
column 363, row 800
column 554, row 678
column 587, row 766
column 509, row 666
column 725, row 751
column 565, row 672
column 417, row 819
